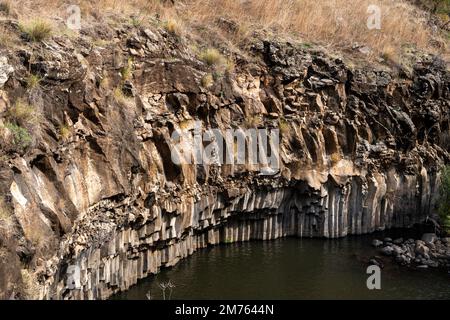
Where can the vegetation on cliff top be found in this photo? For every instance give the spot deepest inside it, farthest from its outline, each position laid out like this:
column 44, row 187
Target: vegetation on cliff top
column 335, row 23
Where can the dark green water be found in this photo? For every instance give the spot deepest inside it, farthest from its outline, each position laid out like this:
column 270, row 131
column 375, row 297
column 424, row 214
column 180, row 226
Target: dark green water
column 291, row 269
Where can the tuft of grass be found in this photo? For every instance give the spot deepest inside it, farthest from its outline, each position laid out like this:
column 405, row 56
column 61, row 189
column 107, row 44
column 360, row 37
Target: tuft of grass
column 21, row 137
column 37, row 30
column 33, row 81
column 253, row 121
column 136, row 21
column 120, row 96
column 30, row 285
column 207, row 80
column 284, row 126
column 65, row 132
column 335, row 158
column 127, row 71
column 212, row 57
column 173, row 26
column 389, row 54
column 22, row 113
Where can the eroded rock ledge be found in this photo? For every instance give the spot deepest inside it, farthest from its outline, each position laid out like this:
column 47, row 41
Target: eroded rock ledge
column 360, row 151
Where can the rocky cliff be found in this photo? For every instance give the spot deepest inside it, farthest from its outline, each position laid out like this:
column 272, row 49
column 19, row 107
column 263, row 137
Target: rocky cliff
column 94, row 188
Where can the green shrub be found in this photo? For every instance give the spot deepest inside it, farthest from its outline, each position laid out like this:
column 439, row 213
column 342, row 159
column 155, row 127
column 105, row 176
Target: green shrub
column 21, row 137
column 444, row 199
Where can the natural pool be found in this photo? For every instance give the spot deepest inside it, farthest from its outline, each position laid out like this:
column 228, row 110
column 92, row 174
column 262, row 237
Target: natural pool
column 291, row 269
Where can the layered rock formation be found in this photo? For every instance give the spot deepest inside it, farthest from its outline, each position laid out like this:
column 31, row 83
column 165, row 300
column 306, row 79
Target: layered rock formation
column 98, row 192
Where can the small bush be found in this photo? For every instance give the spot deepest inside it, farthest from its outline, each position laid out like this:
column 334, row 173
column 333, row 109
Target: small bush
column 335, row 158
column 284, row 126
column 212, row 57
column 207, row 80
column 444, row 199
column 120, row 96
column 136, row 22
column 22, row 113
column 253, row 121
column 30, row 285
column 173, row 26
column 127, row 71
column 65, row 132
column 21, row 137
column 33, row 81
column 37, row 30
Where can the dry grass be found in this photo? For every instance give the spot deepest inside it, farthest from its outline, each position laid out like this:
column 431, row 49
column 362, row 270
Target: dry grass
column 8, row 39
column 333, row 22
column 338, row 23
column 32, row 81
column 173, row 26
column 212, row 57
column 120, row 96
column 37, row 30
column 30, row 285
column 127, row 71
column 207, row 80
column 284, row 127
column 65, row 132
column 22, row 113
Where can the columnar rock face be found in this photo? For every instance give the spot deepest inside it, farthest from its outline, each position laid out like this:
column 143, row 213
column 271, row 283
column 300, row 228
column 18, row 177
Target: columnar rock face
column 360, row 150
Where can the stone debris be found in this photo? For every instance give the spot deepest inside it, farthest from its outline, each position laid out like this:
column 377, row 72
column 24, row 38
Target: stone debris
column 431, row 251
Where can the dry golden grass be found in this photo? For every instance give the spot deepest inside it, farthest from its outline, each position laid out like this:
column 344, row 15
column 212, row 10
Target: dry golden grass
column 127, row 71
column 65, row 132
column 30, row 286
column 173, row 26
column 22, row 113
column 33, row 81
column 337, row 23
column 37, row 30
column 207, row 80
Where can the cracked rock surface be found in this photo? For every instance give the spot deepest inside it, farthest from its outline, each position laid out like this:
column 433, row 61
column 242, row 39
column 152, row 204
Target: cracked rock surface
column 360, row 151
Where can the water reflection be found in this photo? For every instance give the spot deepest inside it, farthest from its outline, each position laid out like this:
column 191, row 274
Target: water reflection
column 290, row 269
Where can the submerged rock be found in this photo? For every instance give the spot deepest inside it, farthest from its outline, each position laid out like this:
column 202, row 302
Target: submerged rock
column 377, row 243
column 429, row 237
